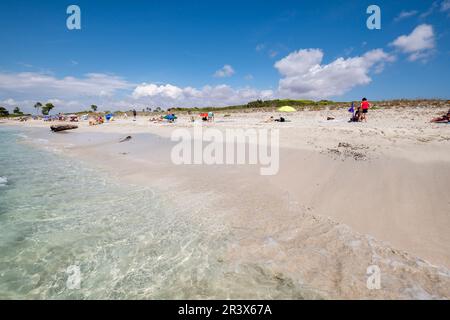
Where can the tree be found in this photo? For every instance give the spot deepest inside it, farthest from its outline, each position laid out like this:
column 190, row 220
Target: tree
column 4, row 112
column 94, row 108
column 47, row 108
column 38, row 106
column 17, row 111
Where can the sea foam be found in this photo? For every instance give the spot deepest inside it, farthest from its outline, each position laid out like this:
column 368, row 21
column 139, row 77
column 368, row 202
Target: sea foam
column 3, row 181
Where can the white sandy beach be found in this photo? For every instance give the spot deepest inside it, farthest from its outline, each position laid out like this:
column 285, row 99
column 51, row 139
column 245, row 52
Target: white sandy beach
column 347, row 195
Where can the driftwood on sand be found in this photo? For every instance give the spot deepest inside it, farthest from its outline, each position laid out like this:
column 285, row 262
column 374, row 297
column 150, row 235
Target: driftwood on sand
column 58, row 128
column 125, row 139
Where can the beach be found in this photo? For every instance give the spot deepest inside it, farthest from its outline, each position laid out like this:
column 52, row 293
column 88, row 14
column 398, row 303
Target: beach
column 346, row 196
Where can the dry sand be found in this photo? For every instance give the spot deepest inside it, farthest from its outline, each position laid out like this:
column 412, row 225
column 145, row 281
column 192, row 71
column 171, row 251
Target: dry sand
column 347, row 196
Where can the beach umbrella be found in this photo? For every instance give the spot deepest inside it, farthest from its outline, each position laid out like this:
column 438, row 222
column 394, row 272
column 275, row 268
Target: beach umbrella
column 170, row 117
column 287, row 109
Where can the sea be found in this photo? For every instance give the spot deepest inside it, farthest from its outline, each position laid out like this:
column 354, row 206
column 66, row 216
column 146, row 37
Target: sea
column 69, row 230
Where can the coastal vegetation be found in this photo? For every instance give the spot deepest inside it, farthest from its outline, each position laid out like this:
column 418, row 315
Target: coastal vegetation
column 253, row 106
column 264, row 104
column 4, row 112
column 47, row 108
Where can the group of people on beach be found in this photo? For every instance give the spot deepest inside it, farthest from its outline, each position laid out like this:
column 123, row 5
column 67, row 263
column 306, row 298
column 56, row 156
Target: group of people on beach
column 96, row 120
column 360, row 114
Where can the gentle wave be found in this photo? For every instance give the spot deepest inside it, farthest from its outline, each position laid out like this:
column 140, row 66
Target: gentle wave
column 21, row 135
column 3, row 181
column 43, row 141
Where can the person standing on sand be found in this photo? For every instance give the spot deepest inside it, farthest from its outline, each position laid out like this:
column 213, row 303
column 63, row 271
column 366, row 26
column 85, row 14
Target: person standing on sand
column 365, row 105
column 134, row 114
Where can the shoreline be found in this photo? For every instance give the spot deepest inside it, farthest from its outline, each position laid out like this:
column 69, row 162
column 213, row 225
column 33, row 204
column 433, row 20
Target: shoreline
column 301, row 211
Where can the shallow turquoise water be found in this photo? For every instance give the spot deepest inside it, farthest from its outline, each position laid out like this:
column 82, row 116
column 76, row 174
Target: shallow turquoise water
column 68, row 231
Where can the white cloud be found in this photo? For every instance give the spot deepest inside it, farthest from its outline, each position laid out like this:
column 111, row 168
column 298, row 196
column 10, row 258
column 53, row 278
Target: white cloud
column 248, row 77
column 26, row 65
column 68, row 93
column 445, row 6
column 406, row 14
column 430, row 11
column 260, row 47
column 303, row 75
column 166, row 91
column 32, row 83
column 221, row 95
column 419, row 44
column 9, row 103
column 224, row 72
column 26, row 105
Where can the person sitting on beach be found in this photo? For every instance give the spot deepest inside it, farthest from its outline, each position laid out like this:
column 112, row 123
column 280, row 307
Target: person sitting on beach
column 357, row 116
column 280, row 120
column 271, row 119
column 444, row 119
column 365, row 105
column 160, row 119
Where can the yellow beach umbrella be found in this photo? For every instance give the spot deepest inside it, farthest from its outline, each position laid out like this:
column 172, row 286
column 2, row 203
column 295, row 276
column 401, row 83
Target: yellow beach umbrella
column 287, row 109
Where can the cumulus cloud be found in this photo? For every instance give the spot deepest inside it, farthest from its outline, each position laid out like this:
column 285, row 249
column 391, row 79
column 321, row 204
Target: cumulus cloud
column 151, row 90
column 67, row 93
column 9, row 102
column 304, row 75
column 220, row 95
column 26, row 105
column 419, row 44
column 406, row 14
column 92, row 84
column 224, row 72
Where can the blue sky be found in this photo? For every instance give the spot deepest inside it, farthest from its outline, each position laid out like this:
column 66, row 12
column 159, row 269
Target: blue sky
column 192, row 53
